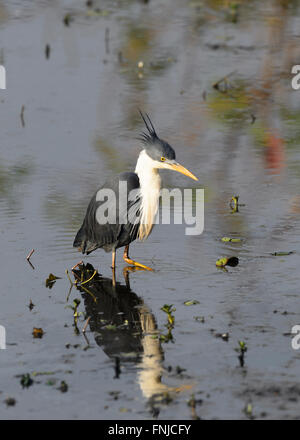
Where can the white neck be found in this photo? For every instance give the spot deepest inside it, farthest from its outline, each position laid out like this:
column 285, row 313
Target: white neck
column 150, row 183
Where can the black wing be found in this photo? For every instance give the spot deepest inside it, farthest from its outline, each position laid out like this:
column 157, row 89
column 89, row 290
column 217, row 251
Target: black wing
column 93, row 235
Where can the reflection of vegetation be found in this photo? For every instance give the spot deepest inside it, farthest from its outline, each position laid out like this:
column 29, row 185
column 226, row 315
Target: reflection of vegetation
column 231, row 105
column 10, row 180
column 13, row 176
column 137, row 43
column 58, row 206
column 292, row 121
column 169, row 310
column 76, row 314
column 111, row 154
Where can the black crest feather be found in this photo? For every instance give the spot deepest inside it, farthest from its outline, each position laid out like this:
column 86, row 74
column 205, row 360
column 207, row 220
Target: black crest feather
column 151, row 136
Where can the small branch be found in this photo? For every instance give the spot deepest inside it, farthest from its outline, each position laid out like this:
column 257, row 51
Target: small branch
column 76, row 265
column 29, row 255
column 86, row 324
column 67, row 272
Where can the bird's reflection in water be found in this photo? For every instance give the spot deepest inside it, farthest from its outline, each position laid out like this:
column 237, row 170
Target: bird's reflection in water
column 125, row 328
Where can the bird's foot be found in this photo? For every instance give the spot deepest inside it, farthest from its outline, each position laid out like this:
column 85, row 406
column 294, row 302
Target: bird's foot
column 136, row 264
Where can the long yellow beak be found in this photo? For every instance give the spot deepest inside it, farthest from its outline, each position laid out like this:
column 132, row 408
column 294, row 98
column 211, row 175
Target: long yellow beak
column 182, row 170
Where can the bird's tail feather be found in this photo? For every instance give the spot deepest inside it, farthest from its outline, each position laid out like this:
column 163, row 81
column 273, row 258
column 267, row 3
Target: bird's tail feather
column 83, row 244
column 80, row 241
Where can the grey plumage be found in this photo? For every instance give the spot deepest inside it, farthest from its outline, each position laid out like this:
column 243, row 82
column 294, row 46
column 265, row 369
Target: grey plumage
column 93, row 235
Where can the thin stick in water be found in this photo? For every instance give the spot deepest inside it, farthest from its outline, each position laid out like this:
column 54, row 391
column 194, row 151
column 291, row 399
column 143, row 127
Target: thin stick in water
column 86, row 324
column 29, row 255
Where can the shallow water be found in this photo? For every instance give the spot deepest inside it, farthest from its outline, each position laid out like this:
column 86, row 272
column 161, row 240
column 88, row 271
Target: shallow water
column 80, row 126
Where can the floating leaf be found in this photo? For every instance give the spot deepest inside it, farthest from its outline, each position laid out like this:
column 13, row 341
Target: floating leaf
column 231, row 261
column 282, row 254
column 191, row 302
column 10, row 401
column 67, row 19
column 221, row 262
column 232, row 240
column 63, row 387
column 51, row 280
column 26, row 380
column 37, row 332
column 234, row 204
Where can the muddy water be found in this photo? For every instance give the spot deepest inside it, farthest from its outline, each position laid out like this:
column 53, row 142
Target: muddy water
column 79, row 125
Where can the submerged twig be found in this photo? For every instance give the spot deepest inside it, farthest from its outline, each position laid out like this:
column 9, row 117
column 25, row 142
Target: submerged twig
column 22, row 115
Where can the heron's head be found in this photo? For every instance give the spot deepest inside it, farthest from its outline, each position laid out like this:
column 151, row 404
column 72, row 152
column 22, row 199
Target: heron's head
column 162, row 154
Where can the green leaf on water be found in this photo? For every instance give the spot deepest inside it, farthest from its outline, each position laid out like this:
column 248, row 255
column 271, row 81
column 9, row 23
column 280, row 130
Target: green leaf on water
column 51, row 280
column 191, row 302
column 232, row 240
column 221, row 262
column 63, row 387
column 231, row 261
column 26, row 380
column 167, row 308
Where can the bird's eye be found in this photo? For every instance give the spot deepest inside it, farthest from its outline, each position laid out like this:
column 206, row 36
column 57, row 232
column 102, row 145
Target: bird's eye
column 162, row 159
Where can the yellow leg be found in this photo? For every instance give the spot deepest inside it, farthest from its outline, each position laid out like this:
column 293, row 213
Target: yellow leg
column 113, row 259
column 132, row 262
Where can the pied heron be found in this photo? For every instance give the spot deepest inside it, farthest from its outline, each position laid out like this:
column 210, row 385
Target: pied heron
column 146, row 182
